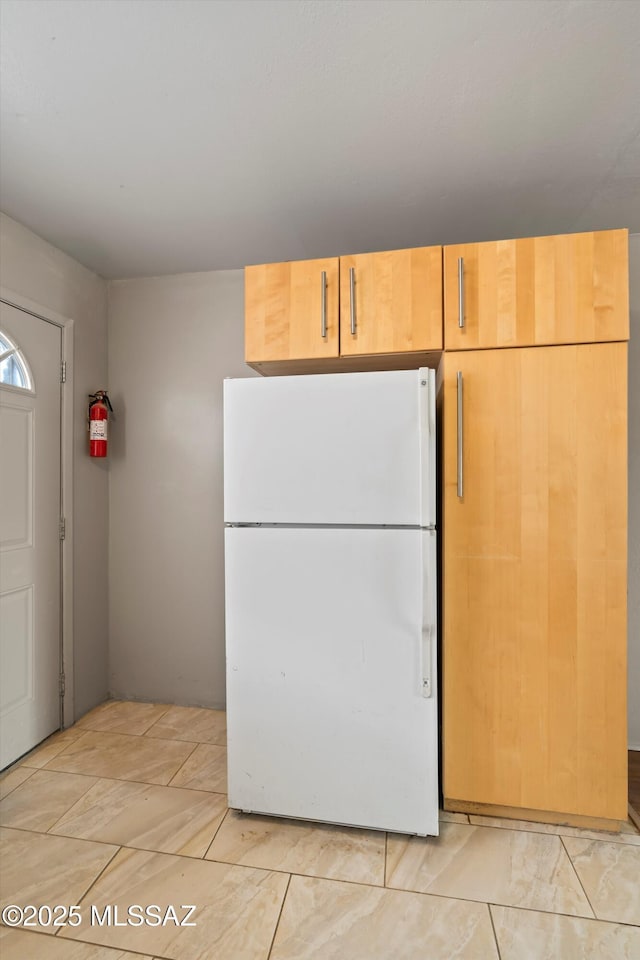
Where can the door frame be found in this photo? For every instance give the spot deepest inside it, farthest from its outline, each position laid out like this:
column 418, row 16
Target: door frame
column 66, row 324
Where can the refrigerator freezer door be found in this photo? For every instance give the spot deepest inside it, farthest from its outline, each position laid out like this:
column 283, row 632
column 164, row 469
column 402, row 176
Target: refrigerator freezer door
column 351, row 448
column 326, row 713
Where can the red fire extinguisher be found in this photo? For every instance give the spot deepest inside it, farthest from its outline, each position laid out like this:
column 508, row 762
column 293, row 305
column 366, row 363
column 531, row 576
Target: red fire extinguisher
column 99, row 406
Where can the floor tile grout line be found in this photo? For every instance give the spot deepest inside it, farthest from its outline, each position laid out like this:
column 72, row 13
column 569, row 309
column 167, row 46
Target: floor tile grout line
column 275, row 929
column 77, row 800
column 17, row 763
column 176, row 786
column 82, row 731
column 149, row 703
column 148, row 732
column 189, row 856
column 48, row 831
column 513, row 906
column 90, row 729
column 92, row 884
column 109, row 780
column 9, row 792
column 149, row 783
column 606, row 838
column 25, row 763
column 204, row 855
column 495, row 935
column 423, row 893
column 188, row 757
column 573, row 867
column 169, row 707
column 129, row 846
column 206, row 743
column 134, row 736
column 54, row 836
column 117, row 951
column 39, row 932
column 566, row 916
column 384, row 874
column 95, row 879
column 443, row 896
column 21, row 761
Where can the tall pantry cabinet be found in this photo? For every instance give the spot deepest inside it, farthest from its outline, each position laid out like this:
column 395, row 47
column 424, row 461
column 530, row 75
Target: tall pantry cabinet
column 535, row 525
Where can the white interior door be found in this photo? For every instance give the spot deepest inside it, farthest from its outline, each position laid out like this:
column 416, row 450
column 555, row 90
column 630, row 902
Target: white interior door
column 330, row 634
column 30, row 566
column 353, row 448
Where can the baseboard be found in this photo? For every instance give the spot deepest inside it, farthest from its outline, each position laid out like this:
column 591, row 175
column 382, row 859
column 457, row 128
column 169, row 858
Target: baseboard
column 536, row 816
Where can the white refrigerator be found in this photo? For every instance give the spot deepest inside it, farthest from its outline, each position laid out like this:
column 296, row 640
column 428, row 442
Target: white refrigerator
column 330, row 589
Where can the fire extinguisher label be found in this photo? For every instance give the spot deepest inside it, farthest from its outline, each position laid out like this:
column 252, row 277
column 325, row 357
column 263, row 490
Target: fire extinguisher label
column 97, row 429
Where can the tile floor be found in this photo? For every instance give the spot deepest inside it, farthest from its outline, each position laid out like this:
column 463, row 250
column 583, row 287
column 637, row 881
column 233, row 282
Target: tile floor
column 129, row 807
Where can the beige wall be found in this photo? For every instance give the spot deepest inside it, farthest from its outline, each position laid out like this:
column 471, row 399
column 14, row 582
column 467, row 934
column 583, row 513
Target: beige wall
column 634, row 495
column 172, row 340
column 34, row 269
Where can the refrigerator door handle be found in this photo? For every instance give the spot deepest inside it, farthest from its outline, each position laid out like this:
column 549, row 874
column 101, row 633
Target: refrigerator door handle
column 427, row 415
column 427, row 645
column 429, row 613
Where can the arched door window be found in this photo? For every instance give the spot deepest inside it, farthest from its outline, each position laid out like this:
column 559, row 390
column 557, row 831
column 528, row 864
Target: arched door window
column 14, row 371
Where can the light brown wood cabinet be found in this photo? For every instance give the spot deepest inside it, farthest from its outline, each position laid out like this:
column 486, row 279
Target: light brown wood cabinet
column 373, row 311
column 571, row 288
column 534, row 473
column 291, row 310
column 391, row 302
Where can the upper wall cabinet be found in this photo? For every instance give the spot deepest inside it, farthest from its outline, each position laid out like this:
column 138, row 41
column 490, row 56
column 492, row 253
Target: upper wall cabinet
column 571, row 288
column 391, row 302
column 291, row 310
column 372, row 311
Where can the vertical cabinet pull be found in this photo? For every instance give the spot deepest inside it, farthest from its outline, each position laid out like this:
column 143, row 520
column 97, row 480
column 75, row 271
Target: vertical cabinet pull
column 460, row 436
column 352, row 299
column 323, row 302
column 461, row 292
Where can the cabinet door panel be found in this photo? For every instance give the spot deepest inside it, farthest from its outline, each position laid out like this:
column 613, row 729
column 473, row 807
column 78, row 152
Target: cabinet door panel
column 398, row 301
column 283, row 311
column 534, row 570
column 571, row 288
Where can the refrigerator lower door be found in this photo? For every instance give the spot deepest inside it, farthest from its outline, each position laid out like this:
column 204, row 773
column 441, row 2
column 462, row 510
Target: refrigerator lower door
column 330, row 635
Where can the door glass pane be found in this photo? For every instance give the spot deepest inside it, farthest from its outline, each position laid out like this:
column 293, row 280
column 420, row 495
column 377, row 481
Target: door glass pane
column 13, row 369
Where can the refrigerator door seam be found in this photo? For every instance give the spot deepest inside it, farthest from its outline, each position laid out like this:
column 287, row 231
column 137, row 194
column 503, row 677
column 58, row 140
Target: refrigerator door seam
column 331, row 526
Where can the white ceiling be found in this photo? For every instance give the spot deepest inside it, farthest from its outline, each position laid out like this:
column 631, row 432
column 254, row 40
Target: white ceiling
column 153, row 136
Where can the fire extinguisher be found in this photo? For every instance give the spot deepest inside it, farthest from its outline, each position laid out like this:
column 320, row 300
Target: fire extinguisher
column 99, row 406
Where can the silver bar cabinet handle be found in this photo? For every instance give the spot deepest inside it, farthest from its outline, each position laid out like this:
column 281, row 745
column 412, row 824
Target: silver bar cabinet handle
column 352, row 301
column 323, row 300
column 461, row 292
column 460, row 436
